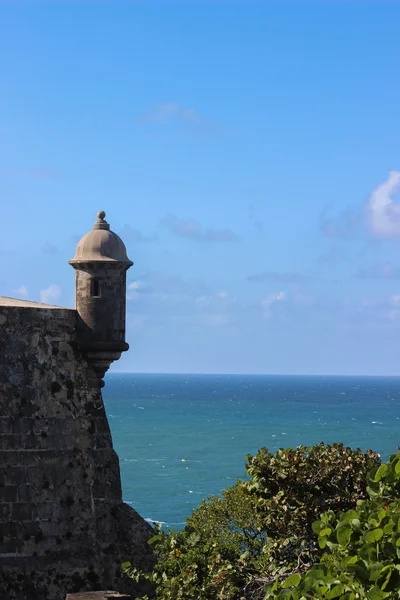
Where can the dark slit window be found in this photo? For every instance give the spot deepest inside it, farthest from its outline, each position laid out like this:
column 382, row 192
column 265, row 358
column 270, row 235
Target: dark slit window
column 95, row 288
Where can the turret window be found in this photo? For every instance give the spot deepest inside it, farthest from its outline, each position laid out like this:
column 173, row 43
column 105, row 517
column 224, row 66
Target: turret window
column 95, row 288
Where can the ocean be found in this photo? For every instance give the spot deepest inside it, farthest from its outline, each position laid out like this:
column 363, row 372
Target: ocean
column 182, row 438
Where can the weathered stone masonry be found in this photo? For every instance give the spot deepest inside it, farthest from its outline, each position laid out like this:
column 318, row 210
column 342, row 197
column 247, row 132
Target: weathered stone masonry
column 63, row 525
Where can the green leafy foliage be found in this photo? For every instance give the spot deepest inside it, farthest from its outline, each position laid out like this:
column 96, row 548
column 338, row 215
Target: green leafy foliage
column 361, row 556
column 308, row 481
column 259, row 537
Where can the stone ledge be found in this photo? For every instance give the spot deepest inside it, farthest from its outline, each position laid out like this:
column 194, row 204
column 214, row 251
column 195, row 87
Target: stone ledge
column 97, row 596
column 16, row 302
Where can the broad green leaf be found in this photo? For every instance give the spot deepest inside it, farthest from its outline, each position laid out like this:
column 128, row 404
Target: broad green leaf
column 317, row 526
column 351, row 560
column 322, row 590
column 381, row 472
column 292, row 581
column 381, row 513
column 375, row 571
column 376, row 594
column 374, row 536
column 372, row 493
column 367, row 552
column 322, row 542
column 349, row 515
column 335, row 592
column 373, row 475
column 389, row 527
column 343, row 534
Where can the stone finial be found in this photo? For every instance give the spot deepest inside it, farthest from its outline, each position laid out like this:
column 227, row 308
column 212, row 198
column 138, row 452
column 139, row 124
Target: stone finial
column 101, row 223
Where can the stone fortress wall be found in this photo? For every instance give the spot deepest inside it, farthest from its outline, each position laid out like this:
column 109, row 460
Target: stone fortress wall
column 63, row 525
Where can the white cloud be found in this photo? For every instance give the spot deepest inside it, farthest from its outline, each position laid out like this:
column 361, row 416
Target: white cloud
column 21, row 291
column 383, row 213
column 135, row 285
column 270, row 300
column 276, row 297
column 380, row 216
column 51, row 294
column 133, row 288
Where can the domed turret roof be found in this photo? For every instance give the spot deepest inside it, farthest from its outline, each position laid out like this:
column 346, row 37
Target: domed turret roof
column 101, row 244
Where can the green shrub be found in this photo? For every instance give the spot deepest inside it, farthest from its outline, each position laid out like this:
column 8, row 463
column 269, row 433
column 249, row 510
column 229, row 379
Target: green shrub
column 296, row 486
column 361, row 546
column 246, row 542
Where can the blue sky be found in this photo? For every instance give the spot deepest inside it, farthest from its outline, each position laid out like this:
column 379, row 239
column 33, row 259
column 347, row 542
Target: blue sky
column 247, row 153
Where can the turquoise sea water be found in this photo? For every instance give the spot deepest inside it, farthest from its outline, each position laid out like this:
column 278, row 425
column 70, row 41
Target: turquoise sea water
column 181, row 438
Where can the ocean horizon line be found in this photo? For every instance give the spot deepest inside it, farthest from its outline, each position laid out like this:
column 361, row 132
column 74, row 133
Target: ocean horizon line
column 215, row 374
